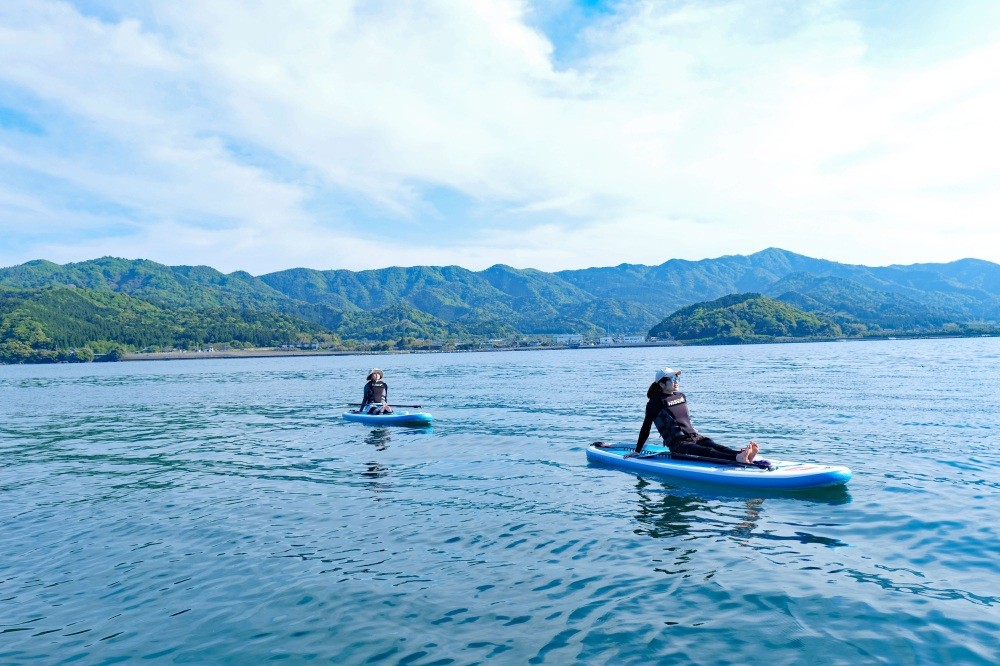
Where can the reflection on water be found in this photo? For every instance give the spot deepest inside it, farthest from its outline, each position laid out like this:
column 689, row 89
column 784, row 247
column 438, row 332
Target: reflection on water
column 664, row 513
column 667, row 511
column 376, row 472
column 379, row 438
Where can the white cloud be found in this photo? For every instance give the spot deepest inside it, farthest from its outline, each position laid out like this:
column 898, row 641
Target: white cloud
column 687, row 130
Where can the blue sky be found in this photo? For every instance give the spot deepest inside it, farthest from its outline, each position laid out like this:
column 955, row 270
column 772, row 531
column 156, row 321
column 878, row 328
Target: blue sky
column 563, row 134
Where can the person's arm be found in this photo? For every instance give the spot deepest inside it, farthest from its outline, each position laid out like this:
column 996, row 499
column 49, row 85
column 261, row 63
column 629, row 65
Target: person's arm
column 367, row 396
column 647, row 424
column 386, row 396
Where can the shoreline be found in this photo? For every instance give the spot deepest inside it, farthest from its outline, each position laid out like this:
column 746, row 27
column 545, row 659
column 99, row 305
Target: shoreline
column 278, row 353
column 273, row 352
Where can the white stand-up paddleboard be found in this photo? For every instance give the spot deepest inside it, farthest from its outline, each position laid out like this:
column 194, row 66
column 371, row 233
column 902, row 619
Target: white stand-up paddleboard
column 396, row 418
column 782, row 474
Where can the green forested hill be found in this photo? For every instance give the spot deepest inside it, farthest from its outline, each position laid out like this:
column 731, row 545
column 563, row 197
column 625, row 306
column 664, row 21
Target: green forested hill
column 744, row 318
column 450, row 302
column 45, row 323
column 858, row 308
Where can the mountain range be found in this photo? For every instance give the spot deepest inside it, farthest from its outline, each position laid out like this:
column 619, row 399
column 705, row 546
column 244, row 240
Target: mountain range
column 437, row 302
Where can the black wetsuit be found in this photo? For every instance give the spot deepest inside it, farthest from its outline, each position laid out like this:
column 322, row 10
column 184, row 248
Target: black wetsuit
column 669, row 412
column 376, row 392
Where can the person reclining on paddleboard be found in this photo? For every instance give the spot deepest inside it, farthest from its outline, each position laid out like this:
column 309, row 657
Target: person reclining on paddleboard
column 376, row 397
column 667, row 409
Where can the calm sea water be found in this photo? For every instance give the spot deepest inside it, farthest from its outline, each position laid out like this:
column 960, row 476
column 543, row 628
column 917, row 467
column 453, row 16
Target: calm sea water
column 221, row 511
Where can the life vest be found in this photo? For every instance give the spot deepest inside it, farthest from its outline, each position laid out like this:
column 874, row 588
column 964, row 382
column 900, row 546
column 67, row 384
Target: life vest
column 378, row 391
column 674, row 420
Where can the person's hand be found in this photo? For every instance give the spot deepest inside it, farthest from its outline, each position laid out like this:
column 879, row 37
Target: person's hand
column 631, row 455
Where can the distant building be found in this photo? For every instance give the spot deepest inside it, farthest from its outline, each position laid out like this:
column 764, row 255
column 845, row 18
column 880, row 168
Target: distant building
column 607, row 340
column 567, row 339
column 634, row 338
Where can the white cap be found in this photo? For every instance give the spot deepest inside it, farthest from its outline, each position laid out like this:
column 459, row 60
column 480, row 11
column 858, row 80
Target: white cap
column 667, row 372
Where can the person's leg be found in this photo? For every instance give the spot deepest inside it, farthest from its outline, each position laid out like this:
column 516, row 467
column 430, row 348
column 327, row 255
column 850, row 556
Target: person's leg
column 711, row 443
column 692, row 448
column 744, row 455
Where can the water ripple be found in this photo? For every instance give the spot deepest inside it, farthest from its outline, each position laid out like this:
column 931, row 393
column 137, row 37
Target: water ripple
column 214, row 511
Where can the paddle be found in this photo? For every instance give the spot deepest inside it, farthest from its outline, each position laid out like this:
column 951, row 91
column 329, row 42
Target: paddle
column 613, row 447
column 358, row 404
column 626, row 447
column 763, row 464
column 759, row 464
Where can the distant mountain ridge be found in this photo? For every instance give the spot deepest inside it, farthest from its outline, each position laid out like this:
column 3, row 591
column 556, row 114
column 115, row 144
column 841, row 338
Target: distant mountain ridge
column 440, row 301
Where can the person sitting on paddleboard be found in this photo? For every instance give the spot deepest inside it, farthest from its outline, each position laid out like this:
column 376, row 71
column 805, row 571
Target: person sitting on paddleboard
column 376, row 397
column 667, row 409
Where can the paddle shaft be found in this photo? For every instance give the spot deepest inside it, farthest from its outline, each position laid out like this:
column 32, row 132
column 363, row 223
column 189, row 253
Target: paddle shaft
column 716, row 461
column 358, row 404
column 681, row 456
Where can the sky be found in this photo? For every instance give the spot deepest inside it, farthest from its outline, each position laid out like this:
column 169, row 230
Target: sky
column 555, row 134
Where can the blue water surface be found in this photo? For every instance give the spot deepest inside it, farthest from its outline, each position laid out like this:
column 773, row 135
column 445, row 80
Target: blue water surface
column 212, row 511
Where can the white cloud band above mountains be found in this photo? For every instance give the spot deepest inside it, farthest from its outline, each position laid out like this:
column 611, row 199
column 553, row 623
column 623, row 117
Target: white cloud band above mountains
column 260, row 136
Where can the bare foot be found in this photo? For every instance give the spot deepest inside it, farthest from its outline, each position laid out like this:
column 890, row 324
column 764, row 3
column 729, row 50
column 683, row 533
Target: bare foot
column 747, row 453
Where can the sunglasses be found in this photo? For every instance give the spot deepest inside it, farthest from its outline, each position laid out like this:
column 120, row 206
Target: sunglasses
column 673, row 379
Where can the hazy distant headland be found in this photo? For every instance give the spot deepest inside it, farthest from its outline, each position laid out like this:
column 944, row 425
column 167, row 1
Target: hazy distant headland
column 108, row 308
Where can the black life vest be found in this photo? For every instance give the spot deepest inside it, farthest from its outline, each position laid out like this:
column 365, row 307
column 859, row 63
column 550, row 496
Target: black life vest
column 378, row 391
column 674, row 420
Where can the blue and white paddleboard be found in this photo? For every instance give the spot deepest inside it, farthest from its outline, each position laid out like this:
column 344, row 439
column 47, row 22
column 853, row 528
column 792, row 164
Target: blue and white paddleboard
column 784, row 474
column 396, row 418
